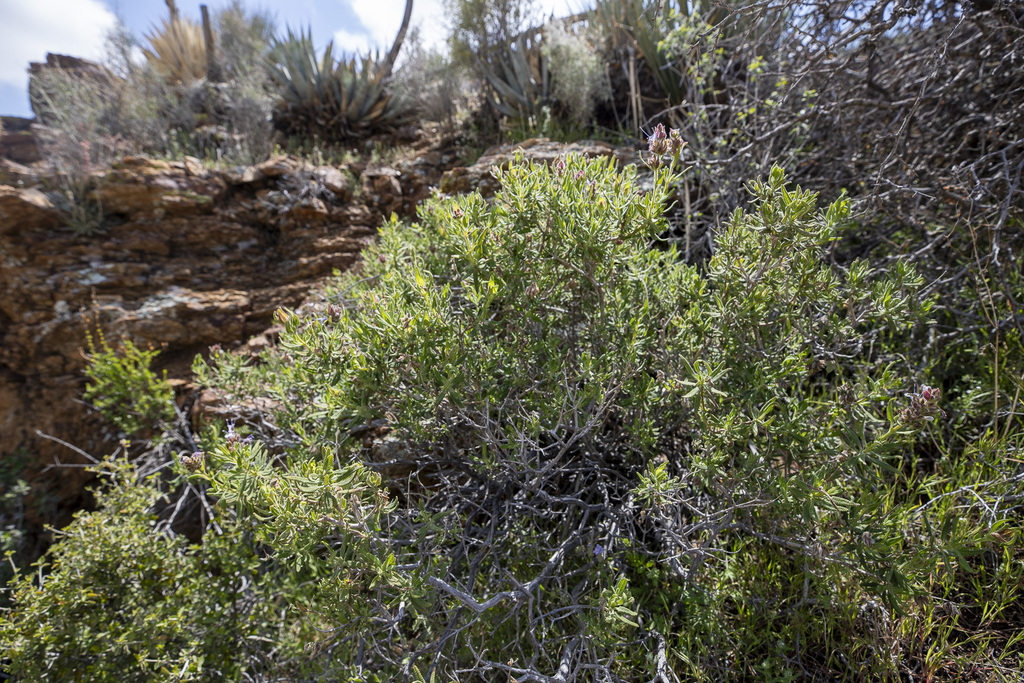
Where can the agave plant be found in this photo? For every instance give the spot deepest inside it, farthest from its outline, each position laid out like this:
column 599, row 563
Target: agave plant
column 520, row 79
column 334, row 99
column 177, row 51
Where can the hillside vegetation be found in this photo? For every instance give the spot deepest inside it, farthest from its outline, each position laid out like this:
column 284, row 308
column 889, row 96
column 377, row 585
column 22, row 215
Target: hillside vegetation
column 749, row 410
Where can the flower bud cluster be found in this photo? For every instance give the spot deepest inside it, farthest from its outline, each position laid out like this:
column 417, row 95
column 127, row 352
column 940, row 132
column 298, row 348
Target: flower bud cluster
column 661, row 144
column 194, row 462
column 924, row 406
column 233, row 438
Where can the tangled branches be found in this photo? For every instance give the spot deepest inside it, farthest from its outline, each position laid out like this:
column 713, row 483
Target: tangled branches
column 912, row 108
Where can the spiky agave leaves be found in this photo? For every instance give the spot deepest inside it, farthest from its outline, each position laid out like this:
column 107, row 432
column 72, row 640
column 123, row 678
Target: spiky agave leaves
column 520, row 79
column 332, row 99
column 177, row 51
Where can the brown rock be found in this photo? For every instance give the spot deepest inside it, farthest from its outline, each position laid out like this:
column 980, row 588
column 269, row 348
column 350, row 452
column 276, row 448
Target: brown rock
column 18, row 175
column 15, row 124
column 26, row 209
column 212, row 405
column 74, row 66
column 141, row 187
column 381, row 186
column 538, row 150
column 335, row 181
column 276, row 167
column 20, row 147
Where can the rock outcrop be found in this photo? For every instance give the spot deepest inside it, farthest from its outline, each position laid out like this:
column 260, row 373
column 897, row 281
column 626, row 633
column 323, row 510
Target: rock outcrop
column 187, row 257
column 17, row 140
column 479, row 176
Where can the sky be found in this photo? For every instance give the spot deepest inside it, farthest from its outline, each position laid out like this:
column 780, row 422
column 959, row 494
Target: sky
column 31, row 28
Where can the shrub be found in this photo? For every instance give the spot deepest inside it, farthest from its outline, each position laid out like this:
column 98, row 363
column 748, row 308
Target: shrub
column 432, row 83
column 535, row 444
column 77, row 138
column 479, row 28
column 124, row 388
column 121, row 599
column 13, row 492
column 244, row 39
column 491, row 41
column 162, row 107
column 577, row 71
column 177, row 51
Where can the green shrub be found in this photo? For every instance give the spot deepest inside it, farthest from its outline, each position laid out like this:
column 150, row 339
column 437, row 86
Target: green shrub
column 118, row 598
column 433, row 84
column 577, row 71
column 13, row 491
column 124, row 388
column 77, row 140
column 163, row 106
column 583, row 445
column 480, row 28
column 244, row 39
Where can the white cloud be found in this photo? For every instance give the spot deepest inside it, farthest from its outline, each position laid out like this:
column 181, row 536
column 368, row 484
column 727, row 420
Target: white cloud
column 32, row 28
column 383, row 17
column 349, row 42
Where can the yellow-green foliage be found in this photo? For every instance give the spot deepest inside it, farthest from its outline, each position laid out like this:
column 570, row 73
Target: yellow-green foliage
column 177, row 51
column 519, row 441
column 595, row 444
column 117, row 600
column 124, row 388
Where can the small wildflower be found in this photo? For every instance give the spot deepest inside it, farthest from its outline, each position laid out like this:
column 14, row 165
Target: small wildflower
column 599, row 550
column 657, row 142
column 231, row 435
column 194, row 462
column 924, row 407
column 559, row 165
column 676, row 143
column 661, row 143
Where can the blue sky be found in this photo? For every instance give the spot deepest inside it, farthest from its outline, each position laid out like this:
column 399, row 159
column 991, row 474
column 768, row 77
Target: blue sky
column 31, row 28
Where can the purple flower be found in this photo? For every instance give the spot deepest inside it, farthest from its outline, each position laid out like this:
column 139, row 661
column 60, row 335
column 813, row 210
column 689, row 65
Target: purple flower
column 599, row 550
column 924, row 406
column 657, row 143
column 231, row 435
column 194, row 462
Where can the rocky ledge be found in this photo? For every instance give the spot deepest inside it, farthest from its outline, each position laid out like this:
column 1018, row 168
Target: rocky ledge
column 186, row 257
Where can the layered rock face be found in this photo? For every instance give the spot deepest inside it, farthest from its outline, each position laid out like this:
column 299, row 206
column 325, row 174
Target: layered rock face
column 187, row 257
column 17, row 141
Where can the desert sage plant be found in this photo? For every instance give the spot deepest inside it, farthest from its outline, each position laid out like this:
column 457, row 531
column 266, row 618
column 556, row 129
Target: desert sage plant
column 518, row 442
